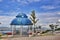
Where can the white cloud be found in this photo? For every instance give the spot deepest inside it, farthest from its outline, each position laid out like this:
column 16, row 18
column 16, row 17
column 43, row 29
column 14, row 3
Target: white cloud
column 56, row 2
column 1, row 0
column 58, row 13
column 1, row 11
column 12, row 0
column 37, row 0
column 7, row 6
column 24, row 2
column 19, row 0
column 48, row 7
column 47, row 18
column 6, row 20
column 11, row 13
column 33, row 0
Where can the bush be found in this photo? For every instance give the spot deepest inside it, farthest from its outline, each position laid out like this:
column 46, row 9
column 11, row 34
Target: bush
column 45, row 31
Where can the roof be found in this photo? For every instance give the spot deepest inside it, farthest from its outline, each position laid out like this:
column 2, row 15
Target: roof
column 22, row 15
column 21, row 19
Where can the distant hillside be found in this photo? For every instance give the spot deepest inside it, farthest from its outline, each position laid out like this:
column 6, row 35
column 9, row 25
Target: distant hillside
column 4, row 28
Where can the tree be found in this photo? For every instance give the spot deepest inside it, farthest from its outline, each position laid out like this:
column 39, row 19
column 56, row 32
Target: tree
column 33, row 19
column 40, row 28
column 56, row 26
column 52, row 28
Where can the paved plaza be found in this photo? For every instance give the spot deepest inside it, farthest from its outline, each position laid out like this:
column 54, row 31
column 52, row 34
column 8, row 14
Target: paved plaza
column 35, row 38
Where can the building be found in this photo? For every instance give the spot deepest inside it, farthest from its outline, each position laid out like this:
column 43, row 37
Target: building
column 21, row 20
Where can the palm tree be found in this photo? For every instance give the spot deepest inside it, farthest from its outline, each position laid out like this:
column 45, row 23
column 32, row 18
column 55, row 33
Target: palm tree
column 33, row 19
column 52, row 28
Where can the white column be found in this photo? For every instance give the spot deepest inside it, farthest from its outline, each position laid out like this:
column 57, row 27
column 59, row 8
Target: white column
column 21, row 30
column 12, row 29
column 15, row 29
column 31, row 27
column 30, row 31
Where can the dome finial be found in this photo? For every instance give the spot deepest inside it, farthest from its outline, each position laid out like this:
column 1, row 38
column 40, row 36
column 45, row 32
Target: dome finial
column 22, row 15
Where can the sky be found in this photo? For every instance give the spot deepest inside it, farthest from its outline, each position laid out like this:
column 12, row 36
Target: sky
column 47, row 11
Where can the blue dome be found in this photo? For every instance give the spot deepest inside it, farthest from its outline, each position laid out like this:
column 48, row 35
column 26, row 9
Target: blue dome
column 19, row 20
column 22, row 15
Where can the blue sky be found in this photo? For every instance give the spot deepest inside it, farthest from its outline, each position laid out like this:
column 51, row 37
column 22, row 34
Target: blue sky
column 46, row 10
column 41, row 6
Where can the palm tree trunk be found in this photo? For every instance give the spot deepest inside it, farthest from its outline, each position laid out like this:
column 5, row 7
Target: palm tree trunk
column 52, row 31
column 34, row 29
